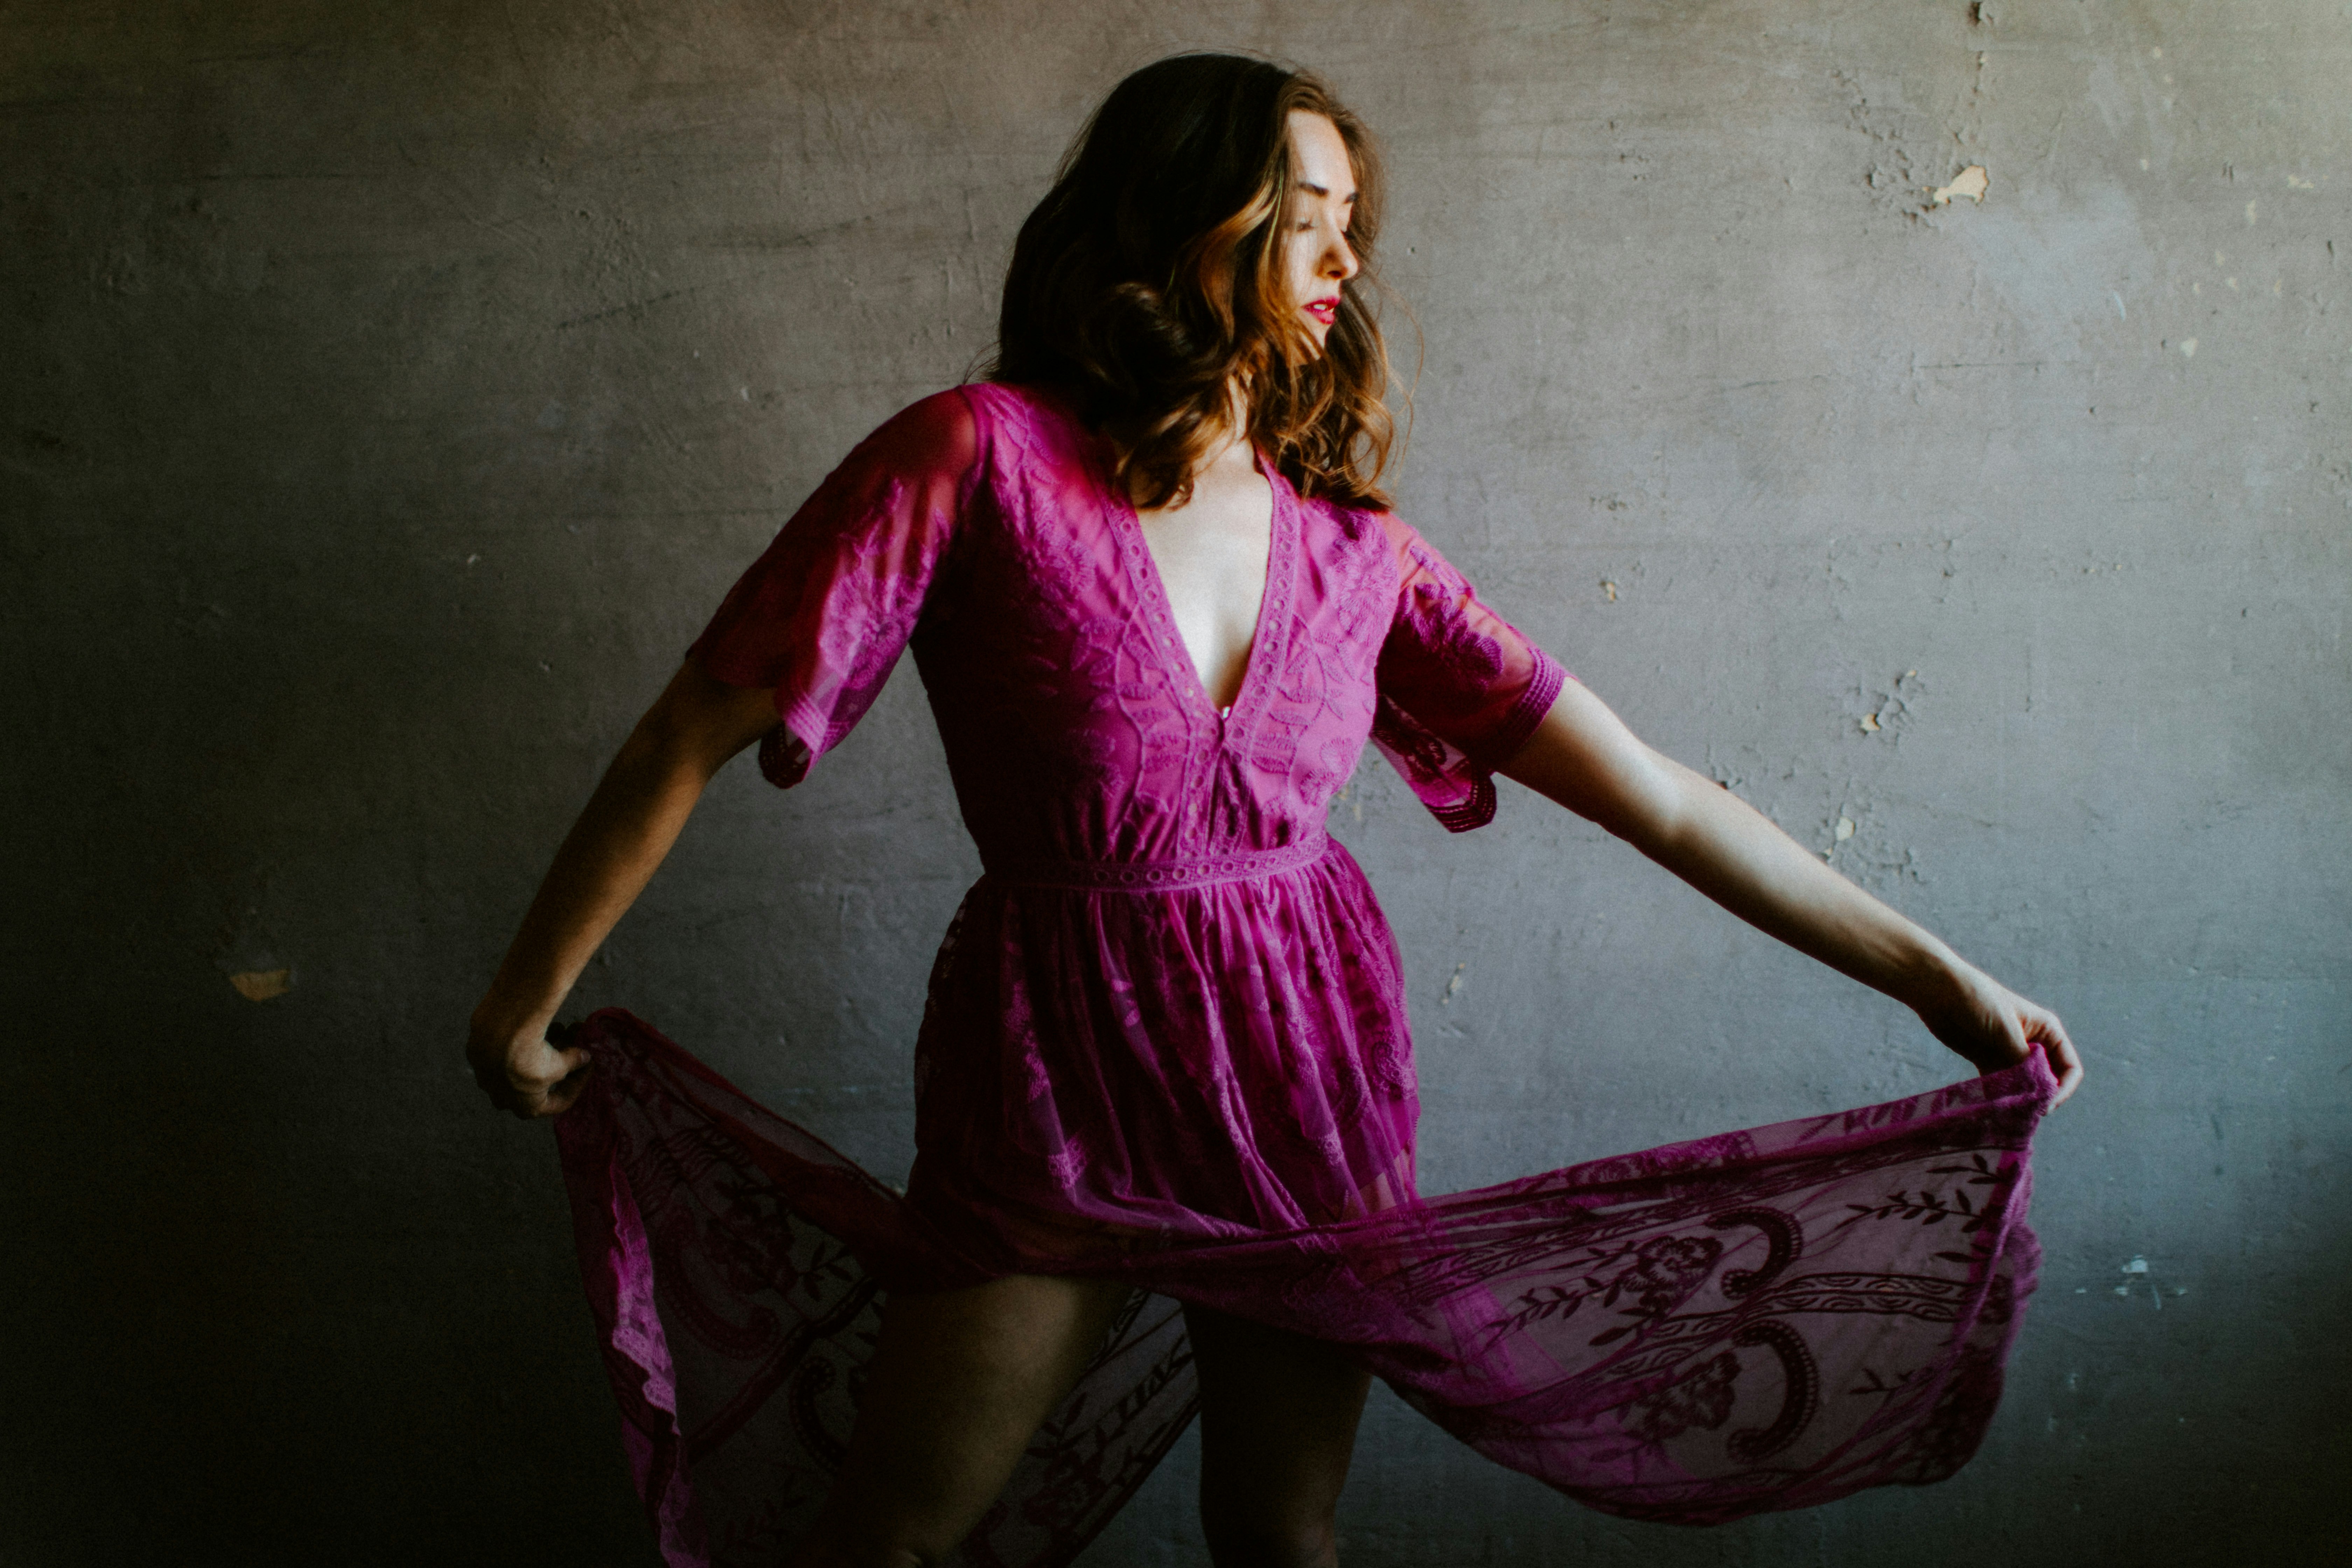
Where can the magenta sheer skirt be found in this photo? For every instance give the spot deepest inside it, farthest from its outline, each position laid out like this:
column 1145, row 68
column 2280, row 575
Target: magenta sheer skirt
column 1757, row 1320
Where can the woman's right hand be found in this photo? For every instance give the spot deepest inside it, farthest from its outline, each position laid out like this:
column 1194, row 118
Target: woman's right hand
column 626, row 827
column 523, row 1074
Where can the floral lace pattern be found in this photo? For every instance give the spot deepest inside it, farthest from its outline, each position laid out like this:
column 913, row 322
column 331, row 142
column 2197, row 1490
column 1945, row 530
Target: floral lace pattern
column 1165, row 1041
column 1715, row 1330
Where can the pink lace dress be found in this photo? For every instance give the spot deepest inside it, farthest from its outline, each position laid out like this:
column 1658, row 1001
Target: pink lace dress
column 1166, row 1042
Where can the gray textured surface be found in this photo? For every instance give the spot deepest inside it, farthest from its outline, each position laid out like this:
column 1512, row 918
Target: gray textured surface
column 390, row 391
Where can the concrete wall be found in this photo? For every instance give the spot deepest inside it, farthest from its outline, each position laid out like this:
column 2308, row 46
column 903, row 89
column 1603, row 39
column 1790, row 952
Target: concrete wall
column 391, row 390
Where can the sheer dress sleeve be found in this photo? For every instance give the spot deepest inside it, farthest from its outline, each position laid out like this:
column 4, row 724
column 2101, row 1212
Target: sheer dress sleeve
column 821, row 616
column 1460, row 689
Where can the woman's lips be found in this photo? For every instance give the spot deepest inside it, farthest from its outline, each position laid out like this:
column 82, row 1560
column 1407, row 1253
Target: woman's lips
column 1324, row 310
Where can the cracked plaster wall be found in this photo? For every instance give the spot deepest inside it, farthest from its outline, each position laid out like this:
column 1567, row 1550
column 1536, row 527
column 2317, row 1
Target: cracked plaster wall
column 391, row 389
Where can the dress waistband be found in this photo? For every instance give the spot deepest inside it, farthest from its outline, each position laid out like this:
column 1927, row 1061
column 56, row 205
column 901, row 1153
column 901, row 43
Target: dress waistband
column 1160, row 876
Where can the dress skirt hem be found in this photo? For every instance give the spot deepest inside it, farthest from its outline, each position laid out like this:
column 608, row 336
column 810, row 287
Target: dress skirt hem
column 1758, row 1321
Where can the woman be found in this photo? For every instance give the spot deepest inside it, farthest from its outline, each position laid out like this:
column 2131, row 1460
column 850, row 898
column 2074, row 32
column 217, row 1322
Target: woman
column 1160, row 605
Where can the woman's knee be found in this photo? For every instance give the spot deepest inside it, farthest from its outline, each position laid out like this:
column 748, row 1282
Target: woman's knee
column 957, row 1387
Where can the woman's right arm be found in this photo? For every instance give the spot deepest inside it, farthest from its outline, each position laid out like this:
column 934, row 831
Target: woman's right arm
column 605, row 860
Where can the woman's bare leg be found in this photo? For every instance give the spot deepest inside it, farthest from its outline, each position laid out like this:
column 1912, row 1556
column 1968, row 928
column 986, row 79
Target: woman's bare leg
column 959, row 1382
column 1279, row 1415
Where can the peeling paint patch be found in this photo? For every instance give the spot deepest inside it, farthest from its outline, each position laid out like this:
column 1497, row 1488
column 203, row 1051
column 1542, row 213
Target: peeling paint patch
column 1971, row 182
column 2188, row 348
column 2136, row 1273
column 1453, row 984
column 1888, row 713
column 261, row 984
column 1844, row 828
column 1609, row 589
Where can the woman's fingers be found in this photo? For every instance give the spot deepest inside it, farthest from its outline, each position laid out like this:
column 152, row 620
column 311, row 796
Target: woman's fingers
column 559, row 1098
column 1995, row 1027
column 534, row 1067
column 2070, row 1072
column 534, row 1079
column 2066, row 1062
column 2032, row 1025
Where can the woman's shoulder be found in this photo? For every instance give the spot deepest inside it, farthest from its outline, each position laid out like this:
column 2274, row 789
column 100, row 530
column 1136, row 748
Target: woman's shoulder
column 995, row 437
column 1393, row 552
column 966, row 432
column 958, row 424
column 939, row 433
column 1361, row 521
column 1024, row 407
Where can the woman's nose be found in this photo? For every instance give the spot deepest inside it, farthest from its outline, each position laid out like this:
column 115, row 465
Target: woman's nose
column 1339, row 258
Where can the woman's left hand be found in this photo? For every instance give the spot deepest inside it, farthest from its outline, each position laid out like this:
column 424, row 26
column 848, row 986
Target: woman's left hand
column 1994, row 1027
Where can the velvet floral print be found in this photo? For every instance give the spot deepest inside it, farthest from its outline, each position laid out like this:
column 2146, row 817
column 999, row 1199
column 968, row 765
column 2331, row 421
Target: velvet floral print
column 1166, row 1042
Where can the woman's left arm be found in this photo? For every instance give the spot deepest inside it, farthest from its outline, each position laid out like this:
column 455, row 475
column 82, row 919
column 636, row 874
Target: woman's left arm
column 1584, row 757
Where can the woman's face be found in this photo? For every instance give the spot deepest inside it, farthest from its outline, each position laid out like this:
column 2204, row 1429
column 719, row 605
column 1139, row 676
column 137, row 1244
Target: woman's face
column 1316, row 257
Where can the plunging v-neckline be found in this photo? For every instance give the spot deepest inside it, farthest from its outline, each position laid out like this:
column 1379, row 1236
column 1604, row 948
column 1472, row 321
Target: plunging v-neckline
column 1143, row 568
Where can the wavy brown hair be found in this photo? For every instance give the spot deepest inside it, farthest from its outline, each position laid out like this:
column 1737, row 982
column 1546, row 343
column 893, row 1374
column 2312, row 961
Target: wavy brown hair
column 1149, row 282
